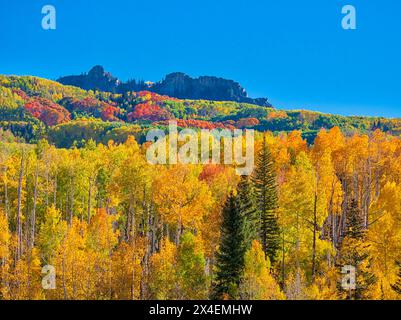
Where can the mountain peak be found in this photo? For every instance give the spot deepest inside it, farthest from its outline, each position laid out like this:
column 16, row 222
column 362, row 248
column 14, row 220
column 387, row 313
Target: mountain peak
column 96, row 71
column 95, row 79
column 177, row 84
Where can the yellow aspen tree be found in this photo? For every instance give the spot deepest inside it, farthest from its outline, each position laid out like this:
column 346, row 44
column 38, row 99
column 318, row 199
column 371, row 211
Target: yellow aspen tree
column 71, row 264
column 181, row 199
column 127, row 270
column 101, row 241
column 51, row 234
column 257, row 283
column 162, row 280
column 5, row 238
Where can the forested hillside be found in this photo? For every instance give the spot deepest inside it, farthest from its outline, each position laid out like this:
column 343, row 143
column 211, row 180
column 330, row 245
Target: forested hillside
column 34, row 108
column 77, row 194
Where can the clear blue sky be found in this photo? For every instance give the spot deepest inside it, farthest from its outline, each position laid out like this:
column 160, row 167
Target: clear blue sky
column 293, row 52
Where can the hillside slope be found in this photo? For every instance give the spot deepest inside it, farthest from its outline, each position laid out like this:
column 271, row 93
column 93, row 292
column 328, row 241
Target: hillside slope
column 34, row 108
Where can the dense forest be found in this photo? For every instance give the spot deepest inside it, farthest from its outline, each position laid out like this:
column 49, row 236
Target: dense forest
column 77, row 194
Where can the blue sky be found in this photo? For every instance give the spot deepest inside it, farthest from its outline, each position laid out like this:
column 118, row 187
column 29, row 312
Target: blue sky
column 293, row 52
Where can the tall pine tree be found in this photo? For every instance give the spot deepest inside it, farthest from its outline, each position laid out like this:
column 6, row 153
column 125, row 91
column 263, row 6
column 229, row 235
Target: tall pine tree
column 247, row 206
column 230, row 257
column 266, row 191
column 354, row 223
column 355, row 252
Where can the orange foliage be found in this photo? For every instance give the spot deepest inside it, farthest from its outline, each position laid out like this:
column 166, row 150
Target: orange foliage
column 210, row 171
column 48, row 112
column 201, row 124
column 278, row 114
column 149, row 111
column 93, row 106
column 154, row 97
column 247, row 122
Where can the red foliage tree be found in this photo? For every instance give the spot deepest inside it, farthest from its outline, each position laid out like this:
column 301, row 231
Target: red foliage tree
column 96, row 108
column 149, row 111
column 47, row 111
column 247, row 122
column 154, row 97
column 201, row 124
column 110, row 113
column 210, row 171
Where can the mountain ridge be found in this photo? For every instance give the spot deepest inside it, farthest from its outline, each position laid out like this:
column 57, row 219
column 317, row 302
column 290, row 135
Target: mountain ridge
column 34, row 108
column 177, row 85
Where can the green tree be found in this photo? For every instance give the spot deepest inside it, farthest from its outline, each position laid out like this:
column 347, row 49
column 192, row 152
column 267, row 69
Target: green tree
column 230, row 257
column 191, row 268
column 257, row 282
column 247, row 206
column 354, row 225
column 51, row 234
column 355, row 252
column 266, row 189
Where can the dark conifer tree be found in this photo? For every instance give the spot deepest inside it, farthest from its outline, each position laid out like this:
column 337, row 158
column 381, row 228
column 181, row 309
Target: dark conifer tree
column 354, row 225
column 266, row 192
column 230, row 257
column 247, row 206
column 355, row 252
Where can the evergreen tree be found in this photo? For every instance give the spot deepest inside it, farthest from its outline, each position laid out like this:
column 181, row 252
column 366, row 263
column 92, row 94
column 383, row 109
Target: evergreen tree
column 355, row 252
column 230, row 258
column 247, row 206
column 354, row 223
column 266, row 191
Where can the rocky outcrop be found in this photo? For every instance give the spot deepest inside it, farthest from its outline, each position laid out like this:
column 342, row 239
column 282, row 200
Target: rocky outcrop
column 95, row 79
column 177, row 85
column 180, row 85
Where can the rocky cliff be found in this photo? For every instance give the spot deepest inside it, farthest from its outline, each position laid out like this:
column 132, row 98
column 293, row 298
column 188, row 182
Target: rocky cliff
column 177, row 85
column 95, row 79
